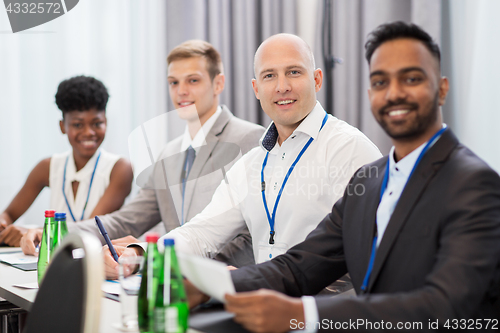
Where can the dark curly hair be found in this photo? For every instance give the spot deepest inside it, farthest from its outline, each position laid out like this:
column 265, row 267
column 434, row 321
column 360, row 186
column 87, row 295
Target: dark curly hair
column 396, row 30
column 81, row 93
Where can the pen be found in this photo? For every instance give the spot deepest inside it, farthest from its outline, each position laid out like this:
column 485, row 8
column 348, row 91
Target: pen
column 104, row 234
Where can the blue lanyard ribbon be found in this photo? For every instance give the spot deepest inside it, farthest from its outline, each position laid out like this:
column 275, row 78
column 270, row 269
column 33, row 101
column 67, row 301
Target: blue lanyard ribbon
column 366, row 280
column 272, row 218
column 90, row 186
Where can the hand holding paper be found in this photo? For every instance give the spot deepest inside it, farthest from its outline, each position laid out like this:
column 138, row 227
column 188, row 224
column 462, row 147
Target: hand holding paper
column 209, row 276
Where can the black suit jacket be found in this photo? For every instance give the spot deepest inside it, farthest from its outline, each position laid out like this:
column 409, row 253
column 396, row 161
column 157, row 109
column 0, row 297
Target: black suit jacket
column 438, row 259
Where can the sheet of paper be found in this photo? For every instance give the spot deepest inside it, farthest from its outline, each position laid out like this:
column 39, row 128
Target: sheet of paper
column 17, row 258
column 111, row 287
column 8, row 249
column 209, row 276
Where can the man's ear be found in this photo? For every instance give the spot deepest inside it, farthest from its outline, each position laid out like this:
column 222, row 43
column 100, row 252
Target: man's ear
column 219, row 81
column 62, row 127
column 318, row 79
column 444, row 87
column 255, row 88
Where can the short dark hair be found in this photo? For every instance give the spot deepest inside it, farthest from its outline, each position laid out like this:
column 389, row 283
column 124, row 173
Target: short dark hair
column 81, row 93
column 198, row 48
column 397, row 30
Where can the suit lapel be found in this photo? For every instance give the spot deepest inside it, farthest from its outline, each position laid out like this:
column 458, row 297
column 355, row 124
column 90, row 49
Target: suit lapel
column 170, row 166
column 203, row 156
column 175, row 167
column 414, row 189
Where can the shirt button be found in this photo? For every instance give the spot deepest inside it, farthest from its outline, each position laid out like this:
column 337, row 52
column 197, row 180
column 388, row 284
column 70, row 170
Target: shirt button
column 283, row 156
column 390, row 193
column 275, row 185
column 397, row 169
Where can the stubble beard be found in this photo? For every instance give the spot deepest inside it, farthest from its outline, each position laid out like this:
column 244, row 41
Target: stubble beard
column 417, row 127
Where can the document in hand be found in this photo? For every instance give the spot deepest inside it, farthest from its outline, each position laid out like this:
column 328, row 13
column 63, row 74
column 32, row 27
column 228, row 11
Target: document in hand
column 209, row 276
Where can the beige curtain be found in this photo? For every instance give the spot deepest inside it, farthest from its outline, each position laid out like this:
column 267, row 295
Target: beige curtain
column 352, row 21
column 235, row 28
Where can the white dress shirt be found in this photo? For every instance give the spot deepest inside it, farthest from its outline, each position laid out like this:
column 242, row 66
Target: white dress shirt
column 317, row 181
column 199, row 138
column 398, row 177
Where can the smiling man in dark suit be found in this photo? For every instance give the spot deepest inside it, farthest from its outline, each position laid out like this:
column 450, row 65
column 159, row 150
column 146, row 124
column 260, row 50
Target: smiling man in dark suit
column 418, row 231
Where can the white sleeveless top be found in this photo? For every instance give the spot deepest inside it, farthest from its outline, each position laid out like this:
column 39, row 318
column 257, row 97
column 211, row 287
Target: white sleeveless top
column 99, row 184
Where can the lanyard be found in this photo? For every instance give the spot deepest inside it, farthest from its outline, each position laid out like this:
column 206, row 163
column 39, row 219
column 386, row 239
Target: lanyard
column 382, row 191
column 272, row 218
column 90, row 186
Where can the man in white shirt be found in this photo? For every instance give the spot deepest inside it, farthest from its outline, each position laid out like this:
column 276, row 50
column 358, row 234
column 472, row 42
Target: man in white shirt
column 421, row 244
column 306, row 158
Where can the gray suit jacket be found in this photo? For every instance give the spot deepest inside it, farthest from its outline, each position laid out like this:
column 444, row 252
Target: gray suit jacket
column 439, row 258
column 229, row 139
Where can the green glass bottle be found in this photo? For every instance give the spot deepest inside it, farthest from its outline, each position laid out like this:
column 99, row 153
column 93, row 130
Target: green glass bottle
column 153, row 261
column 171, row 310
column 60, row 231
column 45, row 245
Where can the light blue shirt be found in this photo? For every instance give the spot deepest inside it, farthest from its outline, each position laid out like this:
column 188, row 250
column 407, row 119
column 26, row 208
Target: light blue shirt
column 398, row 176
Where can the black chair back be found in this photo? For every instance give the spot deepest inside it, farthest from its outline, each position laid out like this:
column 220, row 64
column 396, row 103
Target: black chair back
column 69, row 297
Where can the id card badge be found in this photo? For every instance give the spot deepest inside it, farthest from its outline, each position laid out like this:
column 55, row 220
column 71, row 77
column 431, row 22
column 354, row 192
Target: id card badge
column 270, row 251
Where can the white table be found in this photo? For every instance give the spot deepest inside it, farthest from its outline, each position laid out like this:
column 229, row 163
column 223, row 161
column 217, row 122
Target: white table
column 24, row 298
column 214, row 320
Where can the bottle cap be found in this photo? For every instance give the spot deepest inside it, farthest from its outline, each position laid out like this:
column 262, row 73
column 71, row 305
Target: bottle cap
column 168, row 241
column 152, row 238
column 60, row 216
column 50, row 213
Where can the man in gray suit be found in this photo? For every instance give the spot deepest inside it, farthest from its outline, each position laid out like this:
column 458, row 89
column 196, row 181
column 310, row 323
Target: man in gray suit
column 193, row 164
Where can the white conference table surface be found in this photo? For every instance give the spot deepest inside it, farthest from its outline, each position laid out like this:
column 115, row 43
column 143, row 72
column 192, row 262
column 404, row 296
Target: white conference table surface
column 110, row 310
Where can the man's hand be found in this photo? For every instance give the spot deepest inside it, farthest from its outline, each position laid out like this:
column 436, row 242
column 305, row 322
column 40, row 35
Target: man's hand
column 110, row 265
column 124, row 241
column 3, row 224
column 265, row 310
column 30, row 240
column 12, row 235
column 195, row 297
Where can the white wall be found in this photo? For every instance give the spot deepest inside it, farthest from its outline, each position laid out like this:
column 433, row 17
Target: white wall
column 475, row 51
column 121, row 42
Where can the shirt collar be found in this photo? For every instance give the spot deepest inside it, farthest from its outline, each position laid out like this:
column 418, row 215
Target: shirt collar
column 310, row 126
column 199, row 138
column 405, row 165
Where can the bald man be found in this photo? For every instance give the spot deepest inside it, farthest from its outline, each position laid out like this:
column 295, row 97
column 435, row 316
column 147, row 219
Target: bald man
column 282, row 188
